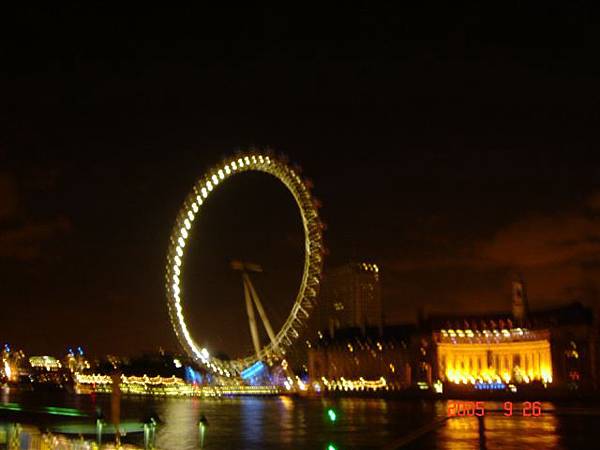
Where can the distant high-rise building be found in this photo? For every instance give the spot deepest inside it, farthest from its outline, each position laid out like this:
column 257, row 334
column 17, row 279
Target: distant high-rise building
column 351, row 297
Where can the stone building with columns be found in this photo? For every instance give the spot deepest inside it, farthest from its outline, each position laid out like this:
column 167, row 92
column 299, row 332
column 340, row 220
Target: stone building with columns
column 514, row 356
column 555, row 346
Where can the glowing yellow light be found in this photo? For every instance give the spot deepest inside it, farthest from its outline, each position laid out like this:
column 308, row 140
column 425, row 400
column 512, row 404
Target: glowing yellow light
column 7, row 370
column 227, row 170
column 215, row 180
column 195, row 207
column 190, row 215
column 181, row 242
column 464, row 359
column 204, row 192
column 179, row 251
column 221, row 174
column 177, row 260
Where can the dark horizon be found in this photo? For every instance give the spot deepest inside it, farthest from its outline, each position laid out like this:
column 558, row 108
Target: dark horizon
column 452, row 149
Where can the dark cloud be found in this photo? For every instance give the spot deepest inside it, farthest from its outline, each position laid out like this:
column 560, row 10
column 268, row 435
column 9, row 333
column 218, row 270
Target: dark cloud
column 9, row 198
column 593, row 203
column 546, row 241
column 22, row 236
column 557, row 253
column 24, row 243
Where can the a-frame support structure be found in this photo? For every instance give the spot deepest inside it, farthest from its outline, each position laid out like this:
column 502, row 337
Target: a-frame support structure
column 251, row 298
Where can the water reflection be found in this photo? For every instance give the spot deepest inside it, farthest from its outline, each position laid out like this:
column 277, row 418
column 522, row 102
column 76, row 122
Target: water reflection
column 295, row 423
column 180, row 425
column 501, row 432
column 530, row 432
column 253, row 422
column 281, row 423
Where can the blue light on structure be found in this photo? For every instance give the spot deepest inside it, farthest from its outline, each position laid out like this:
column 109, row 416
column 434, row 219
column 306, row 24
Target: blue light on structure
column 490, row 386
column 7, row 348
column 255, row 369
column 80, row 351
column 192, row 376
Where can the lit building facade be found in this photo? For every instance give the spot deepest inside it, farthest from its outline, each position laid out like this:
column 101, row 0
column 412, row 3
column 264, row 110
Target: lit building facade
column 574, row 339
column 354, row 357
column 557, row 346
column 75, row 361
column 48, row 363
column 10, row 364
column 512, row 356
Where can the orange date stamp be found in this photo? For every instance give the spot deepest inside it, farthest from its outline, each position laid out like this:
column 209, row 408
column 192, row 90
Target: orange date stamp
column 477, row 409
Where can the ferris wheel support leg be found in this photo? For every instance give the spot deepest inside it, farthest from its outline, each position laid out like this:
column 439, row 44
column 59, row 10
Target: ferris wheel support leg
column 251, row 319
column 261, row 311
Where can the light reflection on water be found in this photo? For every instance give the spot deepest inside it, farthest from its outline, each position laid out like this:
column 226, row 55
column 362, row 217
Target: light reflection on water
column 254, row 425
column 291, row 423
column 283, row 423
column 516, row 432
column 179, row 418
column 506, row 433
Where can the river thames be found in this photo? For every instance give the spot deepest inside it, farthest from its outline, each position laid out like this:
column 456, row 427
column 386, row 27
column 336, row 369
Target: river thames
column 297, row 423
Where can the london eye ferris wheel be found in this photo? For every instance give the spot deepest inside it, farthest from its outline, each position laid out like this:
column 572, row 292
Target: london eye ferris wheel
column 280, row 341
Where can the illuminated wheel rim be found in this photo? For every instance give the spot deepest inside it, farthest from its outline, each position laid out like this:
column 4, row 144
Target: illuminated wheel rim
column 313, row 259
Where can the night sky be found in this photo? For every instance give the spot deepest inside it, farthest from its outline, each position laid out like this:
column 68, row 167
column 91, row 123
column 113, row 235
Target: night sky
column 452, row 147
